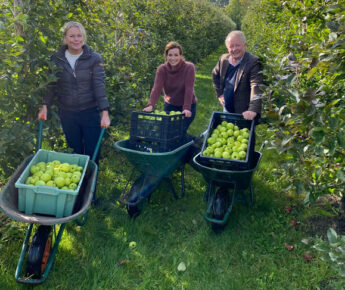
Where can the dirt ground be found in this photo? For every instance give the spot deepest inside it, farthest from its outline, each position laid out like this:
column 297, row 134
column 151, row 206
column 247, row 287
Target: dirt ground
column 319, row 224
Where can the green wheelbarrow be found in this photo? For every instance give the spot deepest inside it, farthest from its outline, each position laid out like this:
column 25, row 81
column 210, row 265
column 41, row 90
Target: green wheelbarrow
column 38, row 253
column 154, row 168
column 220, row 201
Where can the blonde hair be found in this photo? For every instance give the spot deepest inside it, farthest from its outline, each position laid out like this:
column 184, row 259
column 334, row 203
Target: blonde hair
column 235, row 33
column 71, row 24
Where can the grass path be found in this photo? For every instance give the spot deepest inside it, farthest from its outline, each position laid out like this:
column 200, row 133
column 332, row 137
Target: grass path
column 248, row 254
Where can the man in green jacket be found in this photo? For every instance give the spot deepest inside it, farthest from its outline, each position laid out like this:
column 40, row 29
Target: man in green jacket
column 237, row 78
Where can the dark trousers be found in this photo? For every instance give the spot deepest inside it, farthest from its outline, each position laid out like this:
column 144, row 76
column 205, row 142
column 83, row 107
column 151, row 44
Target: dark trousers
column 82, row 130
column 168, row 108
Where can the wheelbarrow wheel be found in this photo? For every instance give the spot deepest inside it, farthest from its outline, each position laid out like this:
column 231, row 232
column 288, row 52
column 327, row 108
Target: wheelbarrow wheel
column 38, row 253
column 133, row 211
column 220, row 207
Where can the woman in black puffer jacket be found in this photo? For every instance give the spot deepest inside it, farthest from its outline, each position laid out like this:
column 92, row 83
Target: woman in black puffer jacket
column 80, row 91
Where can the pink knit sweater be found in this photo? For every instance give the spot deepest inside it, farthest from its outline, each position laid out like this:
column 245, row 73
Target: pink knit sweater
column 178, row 85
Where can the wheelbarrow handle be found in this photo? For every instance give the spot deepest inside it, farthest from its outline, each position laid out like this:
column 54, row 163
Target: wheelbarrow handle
column 263, row 146
column 98, row 143
column 39, row 137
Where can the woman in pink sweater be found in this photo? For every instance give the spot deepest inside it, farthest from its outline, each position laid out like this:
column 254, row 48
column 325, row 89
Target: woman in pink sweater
column 176, row 77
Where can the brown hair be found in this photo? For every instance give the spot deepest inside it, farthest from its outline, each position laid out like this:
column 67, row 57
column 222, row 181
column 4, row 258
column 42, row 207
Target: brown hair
column 172, row 45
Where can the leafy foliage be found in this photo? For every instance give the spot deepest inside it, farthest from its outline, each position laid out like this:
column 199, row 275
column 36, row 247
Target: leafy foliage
column 333, row 251
column 302, row 46
column 130, row 36
column 237, row 9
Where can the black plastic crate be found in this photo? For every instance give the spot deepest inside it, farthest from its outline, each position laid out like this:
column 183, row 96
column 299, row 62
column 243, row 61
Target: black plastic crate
column 142, row 144
column 153, row 127
column 230, row 164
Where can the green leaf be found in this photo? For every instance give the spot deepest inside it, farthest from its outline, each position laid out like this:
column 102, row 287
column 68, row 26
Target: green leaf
column 318, row 134
column 341, row 175
column 332, row 236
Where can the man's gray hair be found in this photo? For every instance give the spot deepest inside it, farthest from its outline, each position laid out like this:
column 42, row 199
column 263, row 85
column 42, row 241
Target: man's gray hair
column 235, row 33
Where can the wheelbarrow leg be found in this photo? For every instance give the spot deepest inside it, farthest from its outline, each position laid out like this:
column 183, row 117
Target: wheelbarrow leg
column 252, row 197
column 49, row 262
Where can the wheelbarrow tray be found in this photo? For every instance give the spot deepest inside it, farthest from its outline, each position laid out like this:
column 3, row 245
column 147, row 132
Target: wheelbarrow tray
column 220, row 177
column 157, row 164
column 9, row 198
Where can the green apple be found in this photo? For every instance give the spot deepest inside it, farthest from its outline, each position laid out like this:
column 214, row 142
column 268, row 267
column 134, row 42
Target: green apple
column 50, row 183
column 75, row 178
column 222, row 129
column 236, row 133
column 80, row 168
column 236, row 128
column 230, row 125
column 38, row 173
column 64, row 188
column 244, row 146
column 230, row 132
column 235, row 156
column 41, row 165
column 242, row 154
column 217, row 154
column 40, row 182
column 211, row 140
column 67, row 180
column 29, row 181
column 226, row 155
column 34, row 169
column 73, row 167
column 56, row 163
column 45, row 177
column 73, row 186
column 65, row 167
column 34, row 179
column 59, row 181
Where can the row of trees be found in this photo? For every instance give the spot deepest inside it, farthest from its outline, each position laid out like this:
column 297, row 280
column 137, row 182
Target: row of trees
column 129, row 34
column 302, row 45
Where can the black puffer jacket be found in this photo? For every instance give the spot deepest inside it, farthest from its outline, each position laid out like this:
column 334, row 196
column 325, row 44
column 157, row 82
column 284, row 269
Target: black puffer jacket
column 82, row 88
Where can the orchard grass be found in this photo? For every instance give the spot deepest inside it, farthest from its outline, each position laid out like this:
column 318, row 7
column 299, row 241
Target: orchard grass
column 248, row 254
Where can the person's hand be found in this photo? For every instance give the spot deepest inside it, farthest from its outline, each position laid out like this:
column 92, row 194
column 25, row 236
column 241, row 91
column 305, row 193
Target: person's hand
column 249, row 115
column 221, row 100
column 187, row 113
column 42, row 114
column 105, row 120
column 148, row 109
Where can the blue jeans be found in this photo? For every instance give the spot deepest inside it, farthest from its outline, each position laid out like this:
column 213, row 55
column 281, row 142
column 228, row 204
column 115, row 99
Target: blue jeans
column 82, row 130
column 168, row 108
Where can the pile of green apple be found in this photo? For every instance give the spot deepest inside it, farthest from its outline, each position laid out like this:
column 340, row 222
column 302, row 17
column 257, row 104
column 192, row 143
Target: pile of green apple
column 62, row 175
column 157, row 112
column 227, row 141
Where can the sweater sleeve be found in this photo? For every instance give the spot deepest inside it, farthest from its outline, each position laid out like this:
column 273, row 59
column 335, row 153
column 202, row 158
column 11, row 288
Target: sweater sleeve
column 189, row 87
column 157, row 87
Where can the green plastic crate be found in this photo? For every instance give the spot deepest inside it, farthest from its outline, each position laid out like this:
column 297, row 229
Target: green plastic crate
column 49, row 200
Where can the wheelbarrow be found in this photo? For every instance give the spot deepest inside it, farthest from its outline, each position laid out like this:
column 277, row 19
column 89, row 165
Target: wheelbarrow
column 220, row 202
column 39, row 256
column 154, row 168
